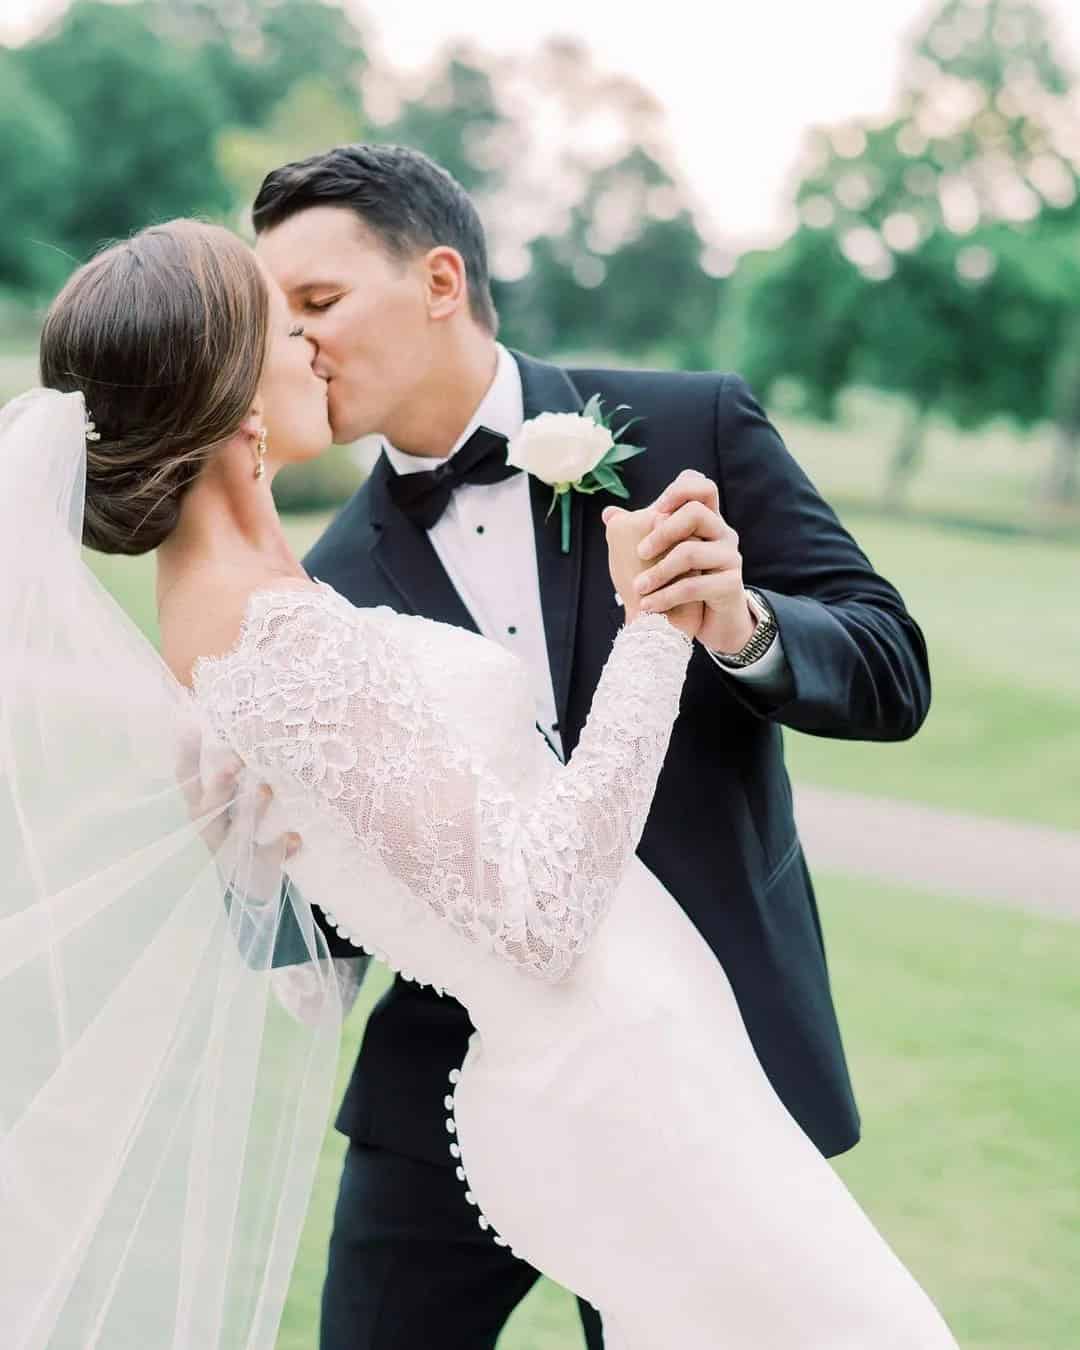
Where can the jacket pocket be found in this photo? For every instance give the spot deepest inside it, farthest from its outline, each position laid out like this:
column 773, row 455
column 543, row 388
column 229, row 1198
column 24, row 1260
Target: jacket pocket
column 786, row 859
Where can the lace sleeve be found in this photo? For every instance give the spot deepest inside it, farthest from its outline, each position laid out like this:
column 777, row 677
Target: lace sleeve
column 340, row 706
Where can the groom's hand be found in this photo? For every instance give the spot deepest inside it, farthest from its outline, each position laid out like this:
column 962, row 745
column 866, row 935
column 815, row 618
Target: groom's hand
column 625, row 530
column 693, row 554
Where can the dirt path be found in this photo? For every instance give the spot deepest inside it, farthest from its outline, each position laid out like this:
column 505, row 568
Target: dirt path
column 1032, row 867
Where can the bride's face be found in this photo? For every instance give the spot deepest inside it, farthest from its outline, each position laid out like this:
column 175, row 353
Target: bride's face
column 293, row 397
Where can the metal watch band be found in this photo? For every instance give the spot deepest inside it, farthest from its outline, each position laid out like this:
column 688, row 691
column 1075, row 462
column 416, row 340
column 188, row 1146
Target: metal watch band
column 760, row 640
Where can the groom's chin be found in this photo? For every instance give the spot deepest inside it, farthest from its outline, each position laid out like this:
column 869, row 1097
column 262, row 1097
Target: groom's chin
column 346, row 431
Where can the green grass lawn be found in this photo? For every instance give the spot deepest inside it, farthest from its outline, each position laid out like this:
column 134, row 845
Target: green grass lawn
column 1002, row 625
column 963, row 1031
column 992, row 474
column 962, row 1023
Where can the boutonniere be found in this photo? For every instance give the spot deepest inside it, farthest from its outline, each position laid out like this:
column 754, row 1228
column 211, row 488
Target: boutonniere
column 574, row 452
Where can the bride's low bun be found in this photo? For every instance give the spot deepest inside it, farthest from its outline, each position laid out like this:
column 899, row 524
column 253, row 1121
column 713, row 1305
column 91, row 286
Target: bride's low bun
column 165, row 337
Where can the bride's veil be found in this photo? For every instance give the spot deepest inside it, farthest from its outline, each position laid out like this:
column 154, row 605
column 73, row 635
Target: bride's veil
column 160, row 1113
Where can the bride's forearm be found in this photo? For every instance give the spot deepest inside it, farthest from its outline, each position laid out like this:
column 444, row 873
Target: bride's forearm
column 571, row 848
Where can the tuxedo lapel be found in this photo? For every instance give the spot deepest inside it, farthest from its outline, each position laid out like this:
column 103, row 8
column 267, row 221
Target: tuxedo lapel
column 548, row 389
column 403, row 552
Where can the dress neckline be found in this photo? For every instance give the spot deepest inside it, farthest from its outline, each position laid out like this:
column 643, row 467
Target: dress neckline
column 252, row 605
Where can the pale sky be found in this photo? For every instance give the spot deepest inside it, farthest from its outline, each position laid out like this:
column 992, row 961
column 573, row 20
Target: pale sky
column 739, row 81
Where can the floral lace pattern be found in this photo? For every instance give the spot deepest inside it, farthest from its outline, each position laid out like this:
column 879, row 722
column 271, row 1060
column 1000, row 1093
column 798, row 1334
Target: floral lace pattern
column 336, row 698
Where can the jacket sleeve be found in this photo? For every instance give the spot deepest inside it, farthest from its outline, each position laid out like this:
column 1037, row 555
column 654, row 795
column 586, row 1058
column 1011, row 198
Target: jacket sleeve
column 857, row 658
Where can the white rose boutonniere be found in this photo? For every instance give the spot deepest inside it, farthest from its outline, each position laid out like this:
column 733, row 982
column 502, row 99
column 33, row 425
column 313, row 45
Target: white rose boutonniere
column 574, row 452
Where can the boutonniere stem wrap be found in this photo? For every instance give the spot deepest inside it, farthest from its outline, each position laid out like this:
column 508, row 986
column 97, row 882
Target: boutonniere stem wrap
column 574, row 452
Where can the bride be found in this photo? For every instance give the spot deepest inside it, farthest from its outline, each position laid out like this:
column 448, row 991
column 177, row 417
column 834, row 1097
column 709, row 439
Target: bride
column 161, row 1111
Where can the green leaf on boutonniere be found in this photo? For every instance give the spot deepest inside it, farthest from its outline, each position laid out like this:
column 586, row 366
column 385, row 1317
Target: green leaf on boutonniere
column 609, row 480
column 619, row 453
column 626, row 427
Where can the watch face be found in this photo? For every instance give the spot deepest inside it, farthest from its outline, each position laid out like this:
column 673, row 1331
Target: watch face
column 757, row 607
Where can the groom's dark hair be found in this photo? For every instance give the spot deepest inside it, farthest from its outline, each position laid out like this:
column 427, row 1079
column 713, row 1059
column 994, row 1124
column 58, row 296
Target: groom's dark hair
column 405, row 199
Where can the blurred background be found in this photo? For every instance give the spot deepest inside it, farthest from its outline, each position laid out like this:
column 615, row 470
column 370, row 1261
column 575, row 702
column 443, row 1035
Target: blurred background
column 873, row 213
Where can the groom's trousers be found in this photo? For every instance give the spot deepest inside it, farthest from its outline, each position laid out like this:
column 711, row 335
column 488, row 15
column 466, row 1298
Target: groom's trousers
column 410, row 1268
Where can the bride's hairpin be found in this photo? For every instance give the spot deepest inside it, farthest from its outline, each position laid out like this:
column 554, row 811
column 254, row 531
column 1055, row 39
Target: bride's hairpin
column 91, row 432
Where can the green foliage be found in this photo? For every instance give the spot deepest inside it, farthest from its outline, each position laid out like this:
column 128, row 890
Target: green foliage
column 255, row 51
column 454, row 120
column 623, row 267
column 141, row 119
column 801, row 314
column 111, row 119
column 36, row 161
column 159, row 108
column 310, row 118
column 321, row 484
column 937, row 252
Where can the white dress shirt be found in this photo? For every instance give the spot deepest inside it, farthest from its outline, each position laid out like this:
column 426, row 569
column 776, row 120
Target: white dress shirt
column 485, row 542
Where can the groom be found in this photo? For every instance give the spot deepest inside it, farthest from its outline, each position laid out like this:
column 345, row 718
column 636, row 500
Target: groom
column 382, row 257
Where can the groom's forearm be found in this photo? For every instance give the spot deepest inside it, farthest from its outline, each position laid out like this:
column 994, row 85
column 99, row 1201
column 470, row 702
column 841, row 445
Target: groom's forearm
column 856, row 658
column 858, row 670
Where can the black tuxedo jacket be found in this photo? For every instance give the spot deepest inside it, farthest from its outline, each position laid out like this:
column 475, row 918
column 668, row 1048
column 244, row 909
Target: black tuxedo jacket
column 721, row 834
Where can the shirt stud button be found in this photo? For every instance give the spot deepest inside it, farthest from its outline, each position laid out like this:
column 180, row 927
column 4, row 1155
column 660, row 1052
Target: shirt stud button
column 479, row 529
column 511, row 630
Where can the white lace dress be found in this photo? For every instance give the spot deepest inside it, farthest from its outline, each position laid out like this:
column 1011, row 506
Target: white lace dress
column 610, row 1120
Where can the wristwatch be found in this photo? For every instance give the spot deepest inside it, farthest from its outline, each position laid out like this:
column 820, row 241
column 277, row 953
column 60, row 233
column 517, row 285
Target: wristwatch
column 760, row 640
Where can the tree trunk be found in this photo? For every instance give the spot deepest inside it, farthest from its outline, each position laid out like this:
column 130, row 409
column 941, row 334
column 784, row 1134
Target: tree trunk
column 1062, row 483
column 907, row 456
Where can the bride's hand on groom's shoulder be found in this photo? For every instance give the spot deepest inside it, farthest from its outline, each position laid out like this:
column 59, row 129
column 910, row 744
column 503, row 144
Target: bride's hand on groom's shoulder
column 625, row 532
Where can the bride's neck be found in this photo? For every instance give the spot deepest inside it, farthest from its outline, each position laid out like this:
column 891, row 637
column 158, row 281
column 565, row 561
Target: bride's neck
column 229, row 527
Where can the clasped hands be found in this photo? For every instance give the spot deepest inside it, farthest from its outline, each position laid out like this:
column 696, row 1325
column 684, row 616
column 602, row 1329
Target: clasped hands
column 680, row 557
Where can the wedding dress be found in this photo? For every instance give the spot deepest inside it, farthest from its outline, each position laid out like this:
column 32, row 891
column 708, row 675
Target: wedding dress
column 610, row 1121
column 160, row 1111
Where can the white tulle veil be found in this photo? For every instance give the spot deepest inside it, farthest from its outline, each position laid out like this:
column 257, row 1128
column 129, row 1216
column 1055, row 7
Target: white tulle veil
column 160, row 1113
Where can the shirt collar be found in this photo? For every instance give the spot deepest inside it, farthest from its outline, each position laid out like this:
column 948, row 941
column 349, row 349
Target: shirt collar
column 502, row 409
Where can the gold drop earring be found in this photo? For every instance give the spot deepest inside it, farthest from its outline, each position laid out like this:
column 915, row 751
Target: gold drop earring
column 260, row 451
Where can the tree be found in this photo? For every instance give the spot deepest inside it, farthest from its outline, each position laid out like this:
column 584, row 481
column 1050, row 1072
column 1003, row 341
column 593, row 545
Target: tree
column 36, row 161
column 307, row 120
column 920, row 237
column 141, row 118
column 255, row 51
column 595, row 246
column 456, row 120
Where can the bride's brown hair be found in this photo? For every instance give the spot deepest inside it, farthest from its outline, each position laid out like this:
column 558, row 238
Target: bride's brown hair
column 165, row 336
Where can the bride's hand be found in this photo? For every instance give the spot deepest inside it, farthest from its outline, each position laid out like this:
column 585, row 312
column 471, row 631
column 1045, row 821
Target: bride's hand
column 625, row 530
column 209, row 791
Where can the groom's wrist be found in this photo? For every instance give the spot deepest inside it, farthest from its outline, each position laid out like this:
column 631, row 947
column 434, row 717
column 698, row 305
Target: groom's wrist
column 758, row 636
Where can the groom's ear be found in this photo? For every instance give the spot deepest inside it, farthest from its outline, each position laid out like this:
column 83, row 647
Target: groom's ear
column 446, row 280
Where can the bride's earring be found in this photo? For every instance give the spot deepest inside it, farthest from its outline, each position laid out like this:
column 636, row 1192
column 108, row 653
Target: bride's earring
column 260, row 452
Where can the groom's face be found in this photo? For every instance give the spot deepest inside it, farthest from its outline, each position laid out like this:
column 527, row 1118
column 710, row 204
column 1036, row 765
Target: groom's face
column 365, row 310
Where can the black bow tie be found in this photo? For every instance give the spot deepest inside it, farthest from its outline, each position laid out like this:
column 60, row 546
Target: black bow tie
column 424, row 496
